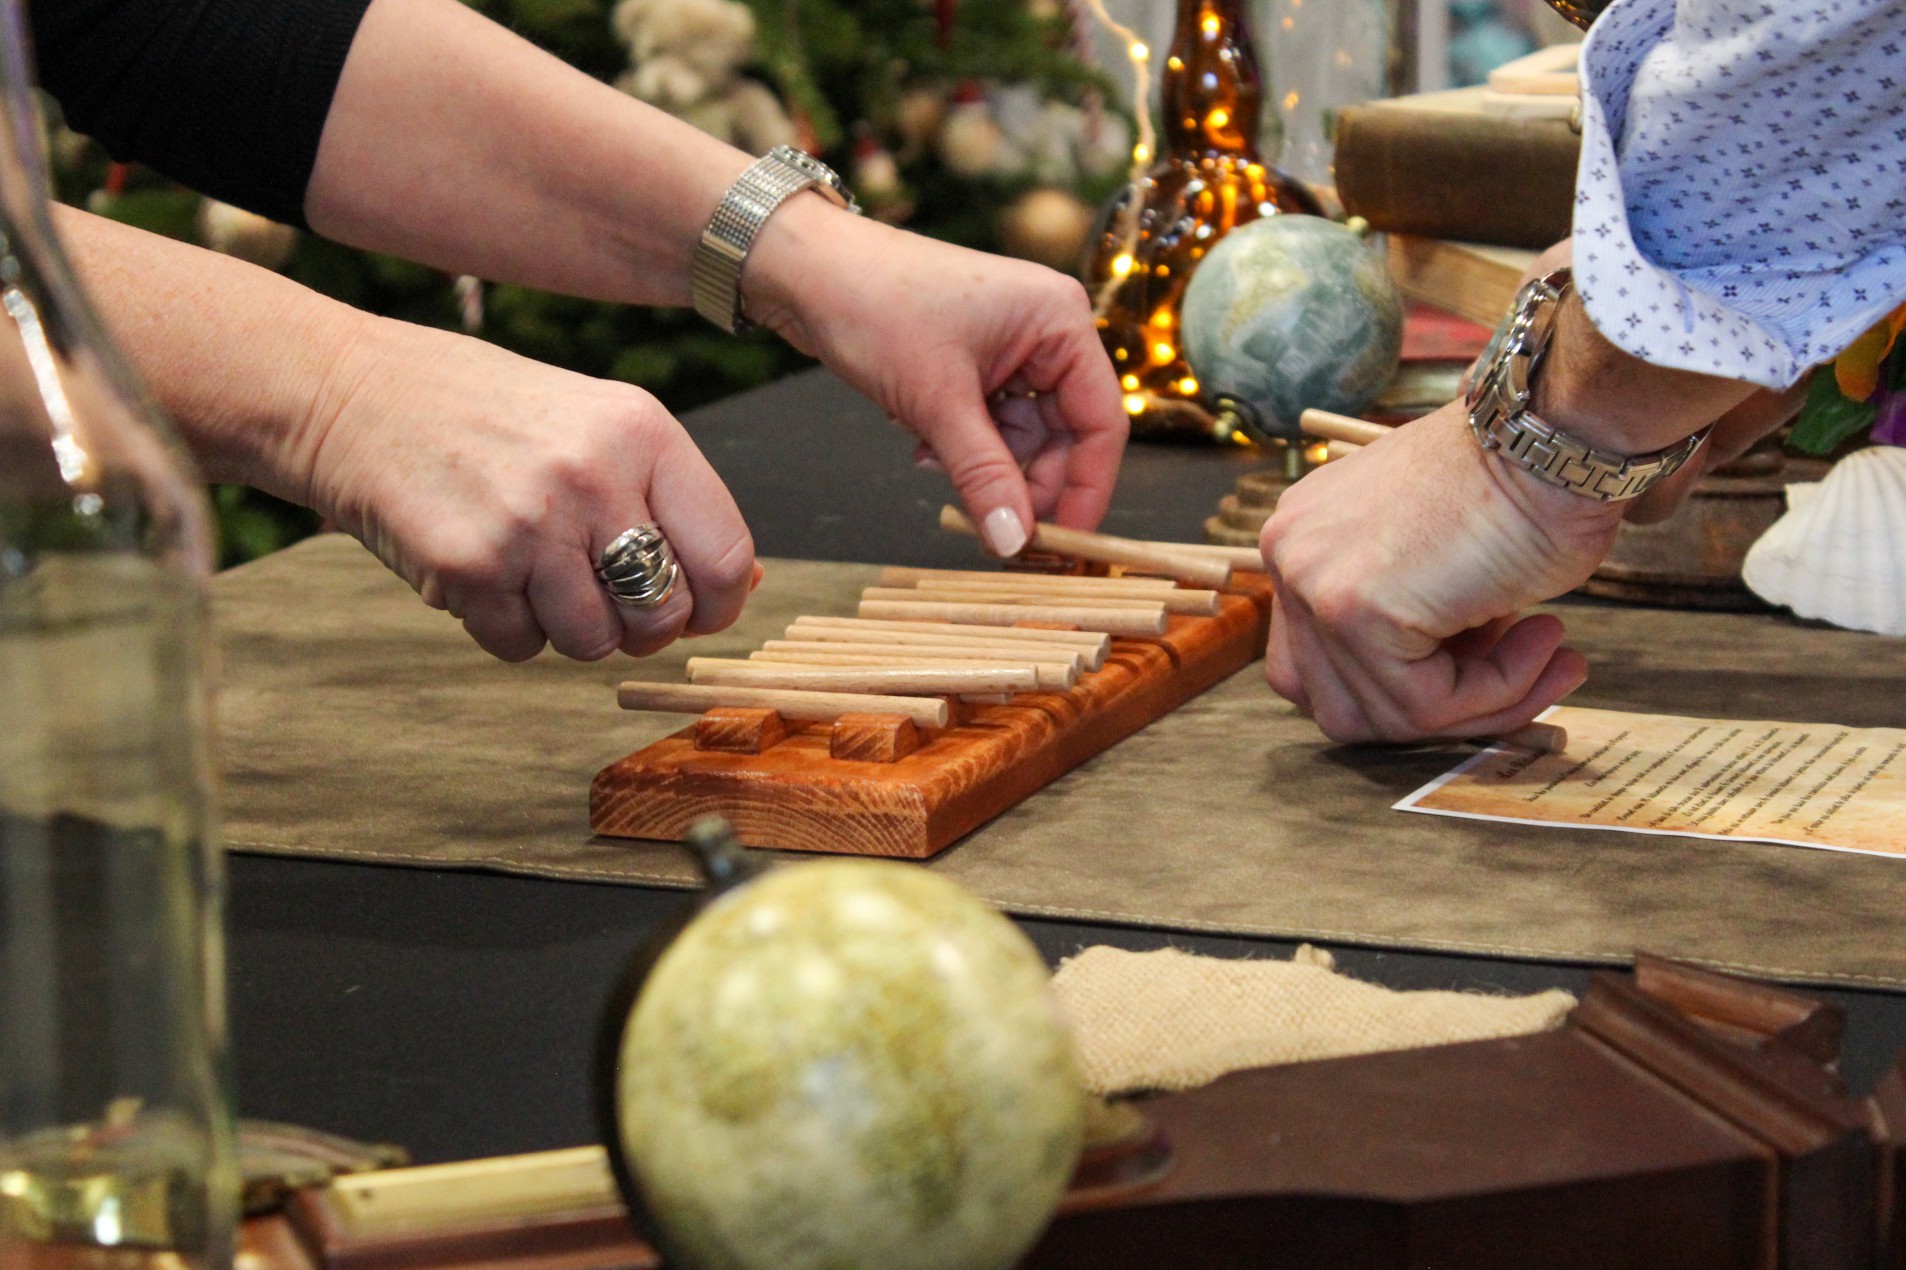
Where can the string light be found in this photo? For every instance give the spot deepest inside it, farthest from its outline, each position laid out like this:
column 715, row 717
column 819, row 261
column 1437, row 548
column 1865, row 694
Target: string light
column 1127, row 227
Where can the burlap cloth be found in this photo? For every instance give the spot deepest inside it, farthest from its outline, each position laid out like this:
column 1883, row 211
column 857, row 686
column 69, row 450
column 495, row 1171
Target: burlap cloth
column 359, row 725
column 1170, row 1020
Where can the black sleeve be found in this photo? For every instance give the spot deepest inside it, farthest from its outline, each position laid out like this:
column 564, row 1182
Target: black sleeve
column 226, row 96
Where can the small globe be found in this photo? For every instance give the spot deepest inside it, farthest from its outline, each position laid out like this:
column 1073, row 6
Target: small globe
column 1291, row 313
column 848, row 1064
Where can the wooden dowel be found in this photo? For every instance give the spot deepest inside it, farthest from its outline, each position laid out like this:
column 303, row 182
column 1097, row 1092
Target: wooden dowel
column 1079, row 655
column 1024, row 580
column 1340, row 450
column 1326, row 426
column 1050, row 674
column 1548, row 738
column 926, row 712
column 1109, row 621
column 1054, row 668
column 1241, row 559
column 1199, row 603
column 731, row 672
column 1087, row 641
column 1107, row 549
column 1189, row 601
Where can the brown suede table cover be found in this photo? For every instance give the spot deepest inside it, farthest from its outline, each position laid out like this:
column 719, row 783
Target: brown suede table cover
column 359, row 725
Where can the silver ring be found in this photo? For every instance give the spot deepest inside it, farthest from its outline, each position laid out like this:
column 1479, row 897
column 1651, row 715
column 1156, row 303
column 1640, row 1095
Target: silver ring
column 638, row 569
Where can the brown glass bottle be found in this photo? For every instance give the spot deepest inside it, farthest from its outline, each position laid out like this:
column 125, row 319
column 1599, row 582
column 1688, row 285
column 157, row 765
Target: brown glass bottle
column 1580, row 12
column 1208, row 179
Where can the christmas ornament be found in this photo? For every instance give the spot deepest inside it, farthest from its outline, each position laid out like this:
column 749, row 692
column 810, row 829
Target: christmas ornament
column 687, row 57
column 918, row 117
column 246, row 235
column 1209, row 180
column 971, row 142
column 1288, row 314
column 1049, row 226
column 875, row 179
column 875, row 175
column 840, row 1063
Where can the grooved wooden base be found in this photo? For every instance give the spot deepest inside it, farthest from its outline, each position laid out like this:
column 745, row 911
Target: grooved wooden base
column 797, row 796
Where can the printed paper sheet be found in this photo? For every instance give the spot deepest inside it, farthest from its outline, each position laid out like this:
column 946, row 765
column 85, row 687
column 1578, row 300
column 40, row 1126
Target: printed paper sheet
column 1806, row 784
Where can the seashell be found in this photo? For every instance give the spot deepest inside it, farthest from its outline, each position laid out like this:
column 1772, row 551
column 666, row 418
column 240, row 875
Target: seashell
column 1839, row 553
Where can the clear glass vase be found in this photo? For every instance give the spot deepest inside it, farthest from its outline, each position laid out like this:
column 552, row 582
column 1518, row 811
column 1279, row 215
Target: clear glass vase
column 115, row 1123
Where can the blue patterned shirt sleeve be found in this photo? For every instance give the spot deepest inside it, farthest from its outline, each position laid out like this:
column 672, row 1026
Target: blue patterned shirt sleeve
column 1741, row 204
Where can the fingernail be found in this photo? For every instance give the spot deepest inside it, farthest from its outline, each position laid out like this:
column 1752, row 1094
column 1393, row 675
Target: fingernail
column 928, row 463
column 755, row 581
column 1003, row 531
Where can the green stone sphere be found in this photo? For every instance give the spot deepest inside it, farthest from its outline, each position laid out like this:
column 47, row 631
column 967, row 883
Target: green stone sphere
column 844, row 1064
column 1291, row 313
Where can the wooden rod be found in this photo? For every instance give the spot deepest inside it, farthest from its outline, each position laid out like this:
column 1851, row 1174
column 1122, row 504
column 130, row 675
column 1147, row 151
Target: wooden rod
column 1109, row 621
column 1061, row 663
column 1190, row 601
column 1340, row 450
column 1089, row 640
column 1107, row 549
column 926, row 712
column 1103, row 603
column 1025, row 580
column 1326, row 426
column 1050, row 674
column 1241, row 559
column 1079, row 655
column 736, row 673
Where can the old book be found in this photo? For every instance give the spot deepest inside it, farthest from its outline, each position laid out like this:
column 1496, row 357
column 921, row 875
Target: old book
column 1469, row 164
column 1472, row 280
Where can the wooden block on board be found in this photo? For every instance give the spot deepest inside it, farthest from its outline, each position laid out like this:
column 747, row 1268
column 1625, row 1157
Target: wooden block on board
column 873, row 738
column 739, row 730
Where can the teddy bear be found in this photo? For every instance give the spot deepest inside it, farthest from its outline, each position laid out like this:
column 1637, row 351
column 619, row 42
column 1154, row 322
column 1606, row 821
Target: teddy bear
column 686, row 57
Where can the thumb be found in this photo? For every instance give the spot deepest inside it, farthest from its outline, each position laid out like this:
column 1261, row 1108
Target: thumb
column 983, row 470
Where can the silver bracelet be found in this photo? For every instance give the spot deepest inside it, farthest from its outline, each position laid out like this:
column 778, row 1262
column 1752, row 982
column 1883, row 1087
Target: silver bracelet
column 775, row 177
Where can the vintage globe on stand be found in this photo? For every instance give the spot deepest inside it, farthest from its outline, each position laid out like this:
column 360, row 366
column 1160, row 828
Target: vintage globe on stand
column 1287, row 314
column 847, row 1063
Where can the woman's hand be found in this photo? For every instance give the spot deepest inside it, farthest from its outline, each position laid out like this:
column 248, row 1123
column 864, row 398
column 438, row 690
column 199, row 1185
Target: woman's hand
column 995, row 364
column 1399, row 572
column 492, row 484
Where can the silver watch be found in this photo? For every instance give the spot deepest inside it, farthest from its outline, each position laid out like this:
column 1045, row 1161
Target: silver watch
column 774, row 178
column 1499, row 413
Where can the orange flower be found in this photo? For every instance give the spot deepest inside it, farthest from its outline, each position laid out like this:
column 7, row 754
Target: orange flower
column 1857, row 370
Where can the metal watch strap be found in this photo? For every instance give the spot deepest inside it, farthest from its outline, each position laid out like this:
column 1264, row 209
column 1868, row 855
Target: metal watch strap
column 1500, row 417
column 775, row 177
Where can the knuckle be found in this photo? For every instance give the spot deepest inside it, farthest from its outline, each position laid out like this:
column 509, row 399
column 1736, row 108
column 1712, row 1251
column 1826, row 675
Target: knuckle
column 1424, row 717
column 1340, row 608
column 1342, row 725
column 471, row 567
column 1284, row 681
column 732, row 567
column 1071, row 293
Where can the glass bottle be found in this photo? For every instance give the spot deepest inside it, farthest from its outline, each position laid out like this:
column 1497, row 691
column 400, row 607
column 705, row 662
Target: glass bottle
column 1209, row 179
column 1581, row 12
column 115, row 1132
